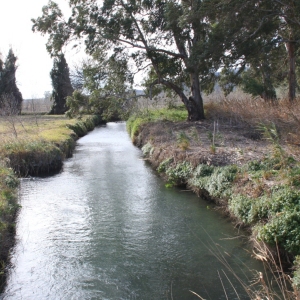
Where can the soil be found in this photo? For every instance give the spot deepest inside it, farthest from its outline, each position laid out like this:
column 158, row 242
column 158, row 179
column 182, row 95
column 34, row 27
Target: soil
column 203, row 142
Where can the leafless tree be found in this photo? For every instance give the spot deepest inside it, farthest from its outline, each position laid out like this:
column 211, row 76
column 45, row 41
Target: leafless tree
column 10, row 111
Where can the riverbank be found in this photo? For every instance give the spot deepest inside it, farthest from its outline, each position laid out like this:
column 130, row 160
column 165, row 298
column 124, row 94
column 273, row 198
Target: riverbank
column 32, row 145
column 244, row 157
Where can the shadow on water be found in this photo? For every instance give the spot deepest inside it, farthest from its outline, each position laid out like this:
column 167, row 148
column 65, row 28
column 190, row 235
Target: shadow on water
column 106, row 227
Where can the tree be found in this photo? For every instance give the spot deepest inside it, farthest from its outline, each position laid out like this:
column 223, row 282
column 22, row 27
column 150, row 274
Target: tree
column 104, row 87
column 262, row 35
column 177, row 39
column 61, row 84
column 10, row 96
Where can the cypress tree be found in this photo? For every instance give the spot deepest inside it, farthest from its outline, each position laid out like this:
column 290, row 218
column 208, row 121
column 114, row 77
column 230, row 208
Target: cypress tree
column 10, row 96
column 61, row 84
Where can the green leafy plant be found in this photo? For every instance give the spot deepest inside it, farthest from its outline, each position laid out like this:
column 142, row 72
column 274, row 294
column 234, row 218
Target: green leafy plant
column 164, row 165
column 179, row 174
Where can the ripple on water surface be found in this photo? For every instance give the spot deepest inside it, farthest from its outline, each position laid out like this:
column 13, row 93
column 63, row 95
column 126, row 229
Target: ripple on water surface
column 107, row 228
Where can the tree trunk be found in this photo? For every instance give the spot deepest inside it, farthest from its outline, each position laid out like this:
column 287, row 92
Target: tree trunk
column 290, row 46
column 269, row 93
column 195, row 100
column 193, row 104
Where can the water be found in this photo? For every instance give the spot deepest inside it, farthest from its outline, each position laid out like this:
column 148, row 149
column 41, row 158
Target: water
column 107, row 228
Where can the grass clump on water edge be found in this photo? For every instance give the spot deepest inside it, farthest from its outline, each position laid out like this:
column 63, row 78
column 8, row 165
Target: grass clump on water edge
column 8, row 209
column 41, row 147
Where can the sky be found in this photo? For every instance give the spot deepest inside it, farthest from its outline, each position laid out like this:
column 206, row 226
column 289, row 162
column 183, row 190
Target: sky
column 34, row 62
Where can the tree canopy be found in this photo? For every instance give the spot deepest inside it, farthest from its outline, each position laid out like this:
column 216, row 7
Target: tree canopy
column 184, row 43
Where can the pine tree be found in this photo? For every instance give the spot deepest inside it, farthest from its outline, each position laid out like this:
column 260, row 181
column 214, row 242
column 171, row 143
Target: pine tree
column 10, row 96
column 61, row 84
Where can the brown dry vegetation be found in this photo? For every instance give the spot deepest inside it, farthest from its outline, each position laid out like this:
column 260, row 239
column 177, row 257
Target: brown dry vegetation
column 231, row 134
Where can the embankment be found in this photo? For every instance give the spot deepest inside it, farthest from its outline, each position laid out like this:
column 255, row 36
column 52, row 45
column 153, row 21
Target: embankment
column 253, row 178
column 36, row 151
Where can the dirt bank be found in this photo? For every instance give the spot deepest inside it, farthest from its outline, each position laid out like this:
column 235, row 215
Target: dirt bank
column 204, row 142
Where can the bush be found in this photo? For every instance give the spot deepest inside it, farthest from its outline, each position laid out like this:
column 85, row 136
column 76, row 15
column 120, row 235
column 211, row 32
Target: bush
column 147, row 149
column 284, row 229
column 164, row 165
column 217, row 181
column 179, row 174
column 203, row 170
column 79, row 128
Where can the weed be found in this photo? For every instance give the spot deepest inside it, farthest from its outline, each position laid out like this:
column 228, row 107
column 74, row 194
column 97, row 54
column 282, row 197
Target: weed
column 195, row 135
column 217, row 181
column 164, row 165
column 147, row 149
column 179, row 174
column 183, row 140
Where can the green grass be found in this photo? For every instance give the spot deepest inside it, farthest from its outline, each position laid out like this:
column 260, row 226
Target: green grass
column 134, row 123
column 8, row 209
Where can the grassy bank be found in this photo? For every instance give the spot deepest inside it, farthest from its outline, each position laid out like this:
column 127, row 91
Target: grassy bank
column 31, row 145
column 245, row 157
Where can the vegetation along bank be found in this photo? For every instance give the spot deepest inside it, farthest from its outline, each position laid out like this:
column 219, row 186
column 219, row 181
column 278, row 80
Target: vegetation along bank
column 245, row 157
column 32, row 145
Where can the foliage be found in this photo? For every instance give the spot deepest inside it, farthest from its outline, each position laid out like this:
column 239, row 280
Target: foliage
column 147, row 149
column 164, row 165
column 106, row 88
column 203, row 171
column 179, row 43
column 8, row 209
column 179, row 174
column 296, row 273
column 217, row 181
column 261, row 39
column 283, row 229
column 61, row 84
column 10, row 96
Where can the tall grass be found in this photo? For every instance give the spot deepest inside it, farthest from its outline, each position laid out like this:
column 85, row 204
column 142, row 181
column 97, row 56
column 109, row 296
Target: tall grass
column 243, row 110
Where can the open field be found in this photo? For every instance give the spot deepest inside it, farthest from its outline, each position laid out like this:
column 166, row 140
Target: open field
column 47, row 127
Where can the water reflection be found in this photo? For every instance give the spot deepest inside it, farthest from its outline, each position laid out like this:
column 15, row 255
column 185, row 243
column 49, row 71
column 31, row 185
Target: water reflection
column 107, row 228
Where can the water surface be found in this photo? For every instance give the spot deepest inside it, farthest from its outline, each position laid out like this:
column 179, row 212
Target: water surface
column 107, row 228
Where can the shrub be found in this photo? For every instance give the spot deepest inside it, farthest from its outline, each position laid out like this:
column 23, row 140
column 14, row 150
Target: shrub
column 79, row 128
column 284, row 229
column 164, row 165
column 203, row 170
column 217, row 181
column 179, row 174
column 147, row 149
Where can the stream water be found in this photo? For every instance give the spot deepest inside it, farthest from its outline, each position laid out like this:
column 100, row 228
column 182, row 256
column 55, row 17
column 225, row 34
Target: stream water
column 106, row 227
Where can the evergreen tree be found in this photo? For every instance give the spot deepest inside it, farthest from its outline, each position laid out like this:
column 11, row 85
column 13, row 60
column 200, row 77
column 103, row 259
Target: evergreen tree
column 262, row 35
column 61, row 84
column 174, row 38
column 10, row 96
